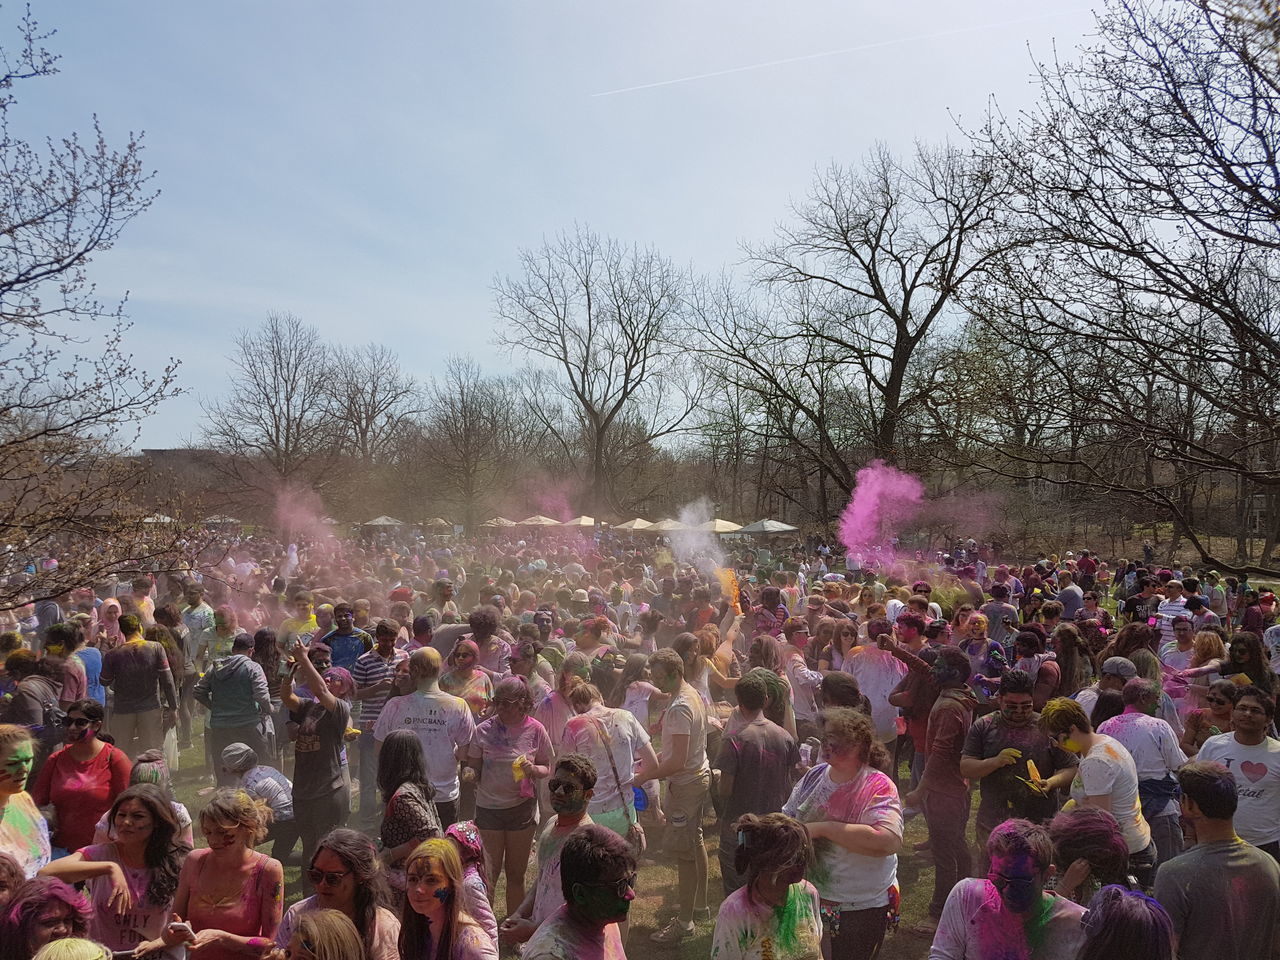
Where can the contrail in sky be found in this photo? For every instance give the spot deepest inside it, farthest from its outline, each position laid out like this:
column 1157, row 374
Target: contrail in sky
column 835, row 53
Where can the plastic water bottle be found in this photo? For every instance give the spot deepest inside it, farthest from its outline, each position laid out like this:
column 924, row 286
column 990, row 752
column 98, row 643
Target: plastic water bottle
column 640, row 798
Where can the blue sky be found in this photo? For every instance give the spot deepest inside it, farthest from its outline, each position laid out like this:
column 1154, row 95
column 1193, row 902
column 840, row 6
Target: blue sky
column 372, row 167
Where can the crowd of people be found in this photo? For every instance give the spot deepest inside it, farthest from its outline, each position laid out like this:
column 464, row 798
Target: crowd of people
column 424, row 724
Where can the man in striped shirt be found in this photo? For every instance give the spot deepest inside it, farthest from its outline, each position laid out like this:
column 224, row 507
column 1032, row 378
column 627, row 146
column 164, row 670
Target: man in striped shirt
column 374, row 675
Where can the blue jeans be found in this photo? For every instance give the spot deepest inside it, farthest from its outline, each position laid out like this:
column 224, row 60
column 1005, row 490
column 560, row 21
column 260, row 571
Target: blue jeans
column 368, row 775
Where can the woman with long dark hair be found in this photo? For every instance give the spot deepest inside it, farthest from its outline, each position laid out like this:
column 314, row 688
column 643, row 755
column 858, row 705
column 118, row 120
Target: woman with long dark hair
column 348, row 878
column 131, row 880
column 410, row 816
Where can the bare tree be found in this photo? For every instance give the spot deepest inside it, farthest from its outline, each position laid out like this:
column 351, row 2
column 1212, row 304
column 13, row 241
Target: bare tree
column 71, row 397
column 1147, row 191
column 275, row 427
column 888, row 246
column 371, row 399
column 602, row 317
column 468, row 445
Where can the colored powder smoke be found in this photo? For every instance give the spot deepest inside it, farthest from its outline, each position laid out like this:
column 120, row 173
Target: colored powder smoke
column 884, row 501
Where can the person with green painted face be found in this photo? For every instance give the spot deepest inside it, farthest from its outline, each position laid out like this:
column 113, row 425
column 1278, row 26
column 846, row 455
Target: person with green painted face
column 24, row 834
column 1010, row 914
column 572, row 786
column 598, row 881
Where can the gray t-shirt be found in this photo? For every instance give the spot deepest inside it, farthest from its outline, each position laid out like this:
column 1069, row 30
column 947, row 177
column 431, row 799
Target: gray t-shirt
column 1224, row 900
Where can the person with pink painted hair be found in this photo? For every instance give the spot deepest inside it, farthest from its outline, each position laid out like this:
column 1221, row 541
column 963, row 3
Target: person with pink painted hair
column 1009, row 913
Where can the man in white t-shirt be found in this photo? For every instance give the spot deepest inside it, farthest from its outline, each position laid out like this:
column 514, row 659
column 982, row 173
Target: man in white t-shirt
column 683, row 764
column 1157, row 756
column 1177, row 654
column 1254, row 760
column 1107, row 778
column 442, row 722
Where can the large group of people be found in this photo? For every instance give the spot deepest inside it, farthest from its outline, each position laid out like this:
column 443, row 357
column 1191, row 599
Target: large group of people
column 481, row 746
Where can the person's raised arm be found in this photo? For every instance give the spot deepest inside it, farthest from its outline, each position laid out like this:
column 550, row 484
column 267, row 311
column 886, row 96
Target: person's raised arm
column 315, row 683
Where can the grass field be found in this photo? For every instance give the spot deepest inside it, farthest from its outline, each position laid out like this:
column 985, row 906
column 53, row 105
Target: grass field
column 657, row 894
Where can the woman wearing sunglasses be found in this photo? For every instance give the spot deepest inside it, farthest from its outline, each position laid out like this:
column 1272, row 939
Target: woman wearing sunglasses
column 1211, row 719
column 81, row 779
column 229, row 896
column 436, row 924
column 324, row 935
column 464, row 679
column 509, row 752
column 348, row 878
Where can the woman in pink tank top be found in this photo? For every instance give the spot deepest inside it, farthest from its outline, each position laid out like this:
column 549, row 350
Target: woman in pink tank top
column 229, row 896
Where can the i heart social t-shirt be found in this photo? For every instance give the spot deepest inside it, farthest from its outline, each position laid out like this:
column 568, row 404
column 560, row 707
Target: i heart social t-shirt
column 1257, row 773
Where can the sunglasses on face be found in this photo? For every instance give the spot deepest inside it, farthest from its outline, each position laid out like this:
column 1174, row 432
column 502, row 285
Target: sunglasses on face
column 78, row 721
column 562, row 786
column 1019, row 884
column 620, row 887
column 330, row 878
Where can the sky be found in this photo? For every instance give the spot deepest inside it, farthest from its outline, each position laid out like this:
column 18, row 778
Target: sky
column 373, row 167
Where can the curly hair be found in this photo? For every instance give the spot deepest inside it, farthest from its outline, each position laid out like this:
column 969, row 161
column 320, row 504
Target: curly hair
column 846, row 728
column 768, row 844
column 484, row 621
column 579, row 766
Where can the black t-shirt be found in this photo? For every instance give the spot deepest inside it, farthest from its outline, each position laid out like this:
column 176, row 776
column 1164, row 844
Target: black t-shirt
column 318, row 749
column 1004, row 795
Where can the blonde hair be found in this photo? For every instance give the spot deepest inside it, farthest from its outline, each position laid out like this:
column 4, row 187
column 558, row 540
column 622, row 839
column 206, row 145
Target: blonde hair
column 73, row 948
column 232, row 808
column 12, row 734
column 414, row 931
column 329, row 935
column 1207, row 646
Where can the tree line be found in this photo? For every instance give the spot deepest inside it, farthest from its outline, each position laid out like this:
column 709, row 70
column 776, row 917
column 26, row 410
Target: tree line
column 1061, row 319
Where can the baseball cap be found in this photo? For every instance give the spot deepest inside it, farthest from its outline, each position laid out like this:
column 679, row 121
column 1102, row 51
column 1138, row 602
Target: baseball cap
column 1120, row 667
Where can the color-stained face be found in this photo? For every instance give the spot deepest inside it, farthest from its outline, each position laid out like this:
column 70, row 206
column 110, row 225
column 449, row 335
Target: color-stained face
column 334, row 882
column 220, row 836
column 1016, row 708
column 426, row 886
column 54, row 923
column 15, row 768
column 567, row 793
column 133, row 822
column 608, row 899
column 80, row 727
column 1017, row 881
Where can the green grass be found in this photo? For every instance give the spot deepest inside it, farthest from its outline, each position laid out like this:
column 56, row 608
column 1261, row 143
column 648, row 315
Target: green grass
column 657, row 895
